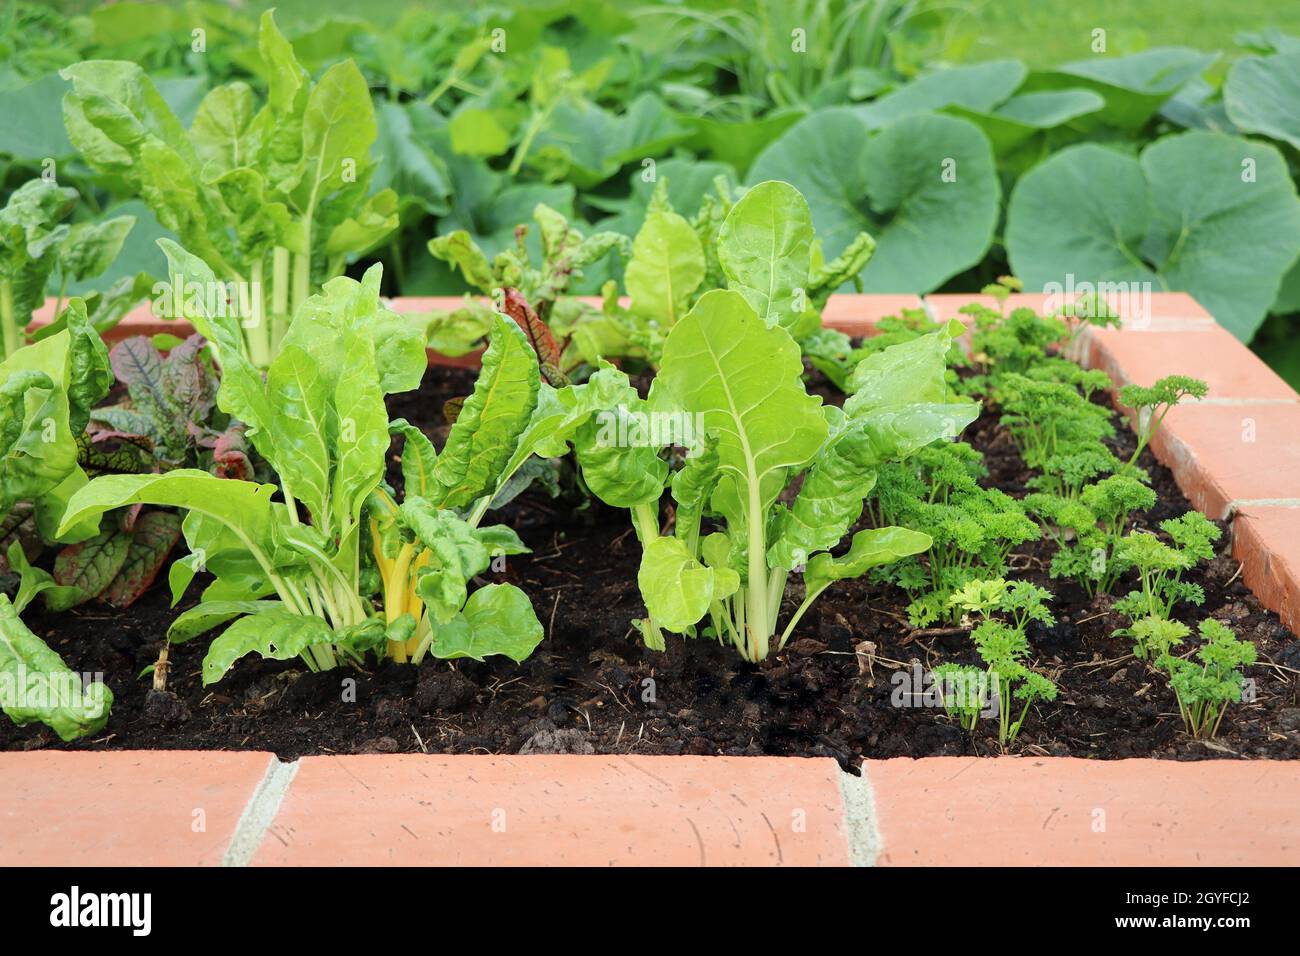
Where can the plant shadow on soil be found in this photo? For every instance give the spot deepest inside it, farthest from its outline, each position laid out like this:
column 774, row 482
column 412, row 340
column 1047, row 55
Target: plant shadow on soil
column 591, row 687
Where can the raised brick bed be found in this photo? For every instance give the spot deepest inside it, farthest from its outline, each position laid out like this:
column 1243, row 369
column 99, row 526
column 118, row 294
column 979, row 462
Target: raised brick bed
column 1235, row 455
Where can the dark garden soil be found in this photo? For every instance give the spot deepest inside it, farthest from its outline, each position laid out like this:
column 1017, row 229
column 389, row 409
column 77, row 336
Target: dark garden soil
column 592, row 687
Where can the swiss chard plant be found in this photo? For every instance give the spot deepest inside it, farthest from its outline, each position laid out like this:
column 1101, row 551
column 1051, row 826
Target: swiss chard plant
column 271, row 196
column 764, row 248
column 340, row 564
column 730, row 390
column 46, row 390
column 36, row 244
column 564, row 254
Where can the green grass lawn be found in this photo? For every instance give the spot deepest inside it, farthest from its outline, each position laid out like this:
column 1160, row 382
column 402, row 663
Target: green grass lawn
column 1047, row 32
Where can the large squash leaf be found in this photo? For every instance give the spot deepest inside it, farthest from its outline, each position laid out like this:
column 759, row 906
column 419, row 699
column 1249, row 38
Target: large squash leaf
column 1204, row 213
column 924, row 187
column 1262, row 95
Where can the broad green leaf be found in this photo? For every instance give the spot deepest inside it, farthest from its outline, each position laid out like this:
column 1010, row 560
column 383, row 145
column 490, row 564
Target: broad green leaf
column 497, row 619
column 276, row 633
column 221, row 129
column 666, row 267
column 408, row 164
column 736, row 143
column 338, row 127
column 299, row 427
column 923, row 187
column 244, row 507
column 1212, row 215
column 359, row 428
column 830, row 501
column 490, row 423
column 90, row 372
column 367, row 227
column 1262, row 95
column 678, row 590
column 619, row 459
column 978, row 86
column 1026, row 117
column 418, row 457
column 907, row 373
column 458, row 331
column 91, row 247
column 286, row 76
column 869, row 549
column 35, row 684
column 1134, row 86
column 692, row 485
column 458, row 249
column 34, row 126
column 37, row 448
column 204, row 617
column 744, row 378
column 500, row 539
column 765, row 247
column 34, row 581
column 478, row 132
column 589, row 144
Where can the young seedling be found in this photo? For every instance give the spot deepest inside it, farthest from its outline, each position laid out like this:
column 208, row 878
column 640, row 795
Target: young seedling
column 1088, row 529
column 1153, row 403
column 1161, row 567
column 1205, row 689
column 1003, row 646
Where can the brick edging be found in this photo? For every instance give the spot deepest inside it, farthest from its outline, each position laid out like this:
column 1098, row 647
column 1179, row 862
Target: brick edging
column 247, row 808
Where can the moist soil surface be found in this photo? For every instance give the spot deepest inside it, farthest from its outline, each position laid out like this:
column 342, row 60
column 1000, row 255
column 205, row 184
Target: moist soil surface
column 592, row 687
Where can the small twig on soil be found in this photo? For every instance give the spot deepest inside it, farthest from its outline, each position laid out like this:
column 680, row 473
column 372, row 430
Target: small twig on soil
column 880, row 610
column 550, row 627
column 418, row 739
column 934, row 632
column 161, row 667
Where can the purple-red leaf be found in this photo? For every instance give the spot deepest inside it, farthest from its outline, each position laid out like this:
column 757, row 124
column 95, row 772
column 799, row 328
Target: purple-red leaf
column 539, row 334
column 155, row 534
column 91, row 565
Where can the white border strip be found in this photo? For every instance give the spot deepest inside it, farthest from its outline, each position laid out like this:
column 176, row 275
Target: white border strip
column 259, row 813
column 860, row 818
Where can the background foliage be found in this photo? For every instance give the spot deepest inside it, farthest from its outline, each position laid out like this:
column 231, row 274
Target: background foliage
column 1054, row 142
